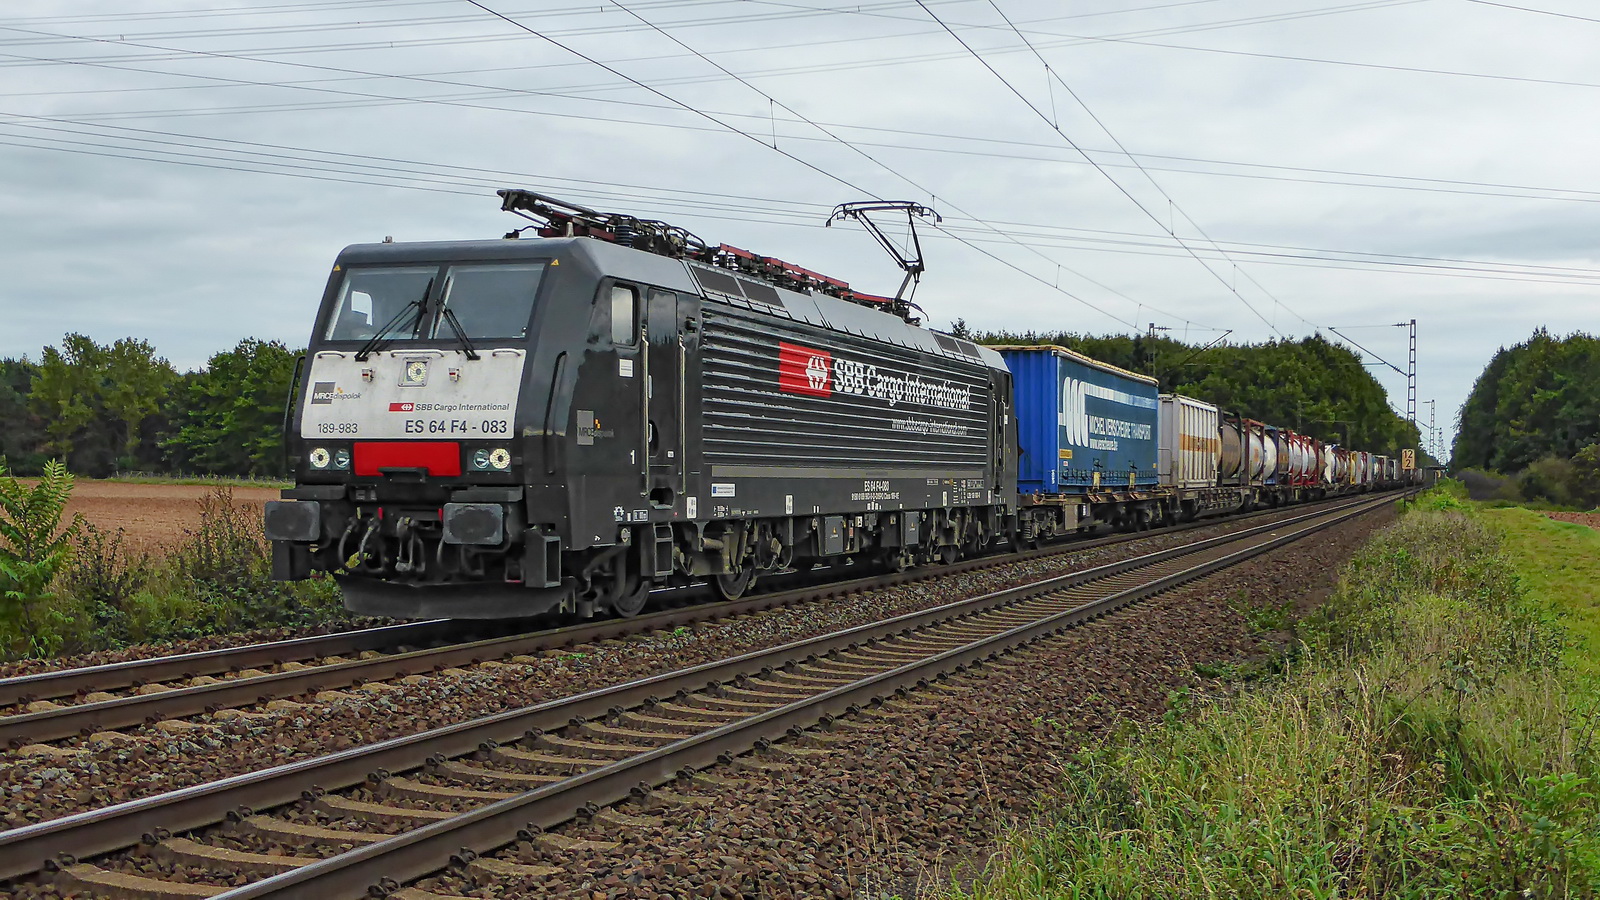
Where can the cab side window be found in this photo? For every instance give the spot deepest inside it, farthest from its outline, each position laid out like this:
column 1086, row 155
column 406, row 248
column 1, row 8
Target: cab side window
column 624, row 314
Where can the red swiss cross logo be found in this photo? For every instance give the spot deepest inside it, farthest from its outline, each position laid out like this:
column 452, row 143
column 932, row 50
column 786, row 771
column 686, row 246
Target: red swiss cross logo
column 804, row 370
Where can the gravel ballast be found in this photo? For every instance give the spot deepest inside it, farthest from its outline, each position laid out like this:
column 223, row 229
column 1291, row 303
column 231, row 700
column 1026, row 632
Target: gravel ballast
column 81, row 774
column 901, row 799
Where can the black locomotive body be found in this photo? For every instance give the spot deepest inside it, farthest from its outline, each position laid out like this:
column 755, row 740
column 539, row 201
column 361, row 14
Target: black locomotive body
column 567, row 423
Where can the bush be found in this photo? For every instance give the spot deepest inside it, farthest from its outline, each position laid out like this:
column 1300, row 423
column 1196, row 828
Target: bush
column 1550, row 479
column 104, row 577
column 1586, row 477
column 76, row 587
column 1482, row 485
column 220, row 579
column 227, row 548
column 34, row 548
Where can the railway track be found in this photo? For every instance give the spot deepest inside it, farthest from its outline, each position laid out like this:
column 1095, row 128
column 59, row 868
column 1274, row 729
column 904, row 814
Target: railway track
column 53, row 706
column 402, row 809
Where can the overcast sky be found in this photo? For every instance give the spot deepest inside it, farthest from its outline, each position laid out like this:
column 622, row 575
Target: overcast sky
column 185, row 170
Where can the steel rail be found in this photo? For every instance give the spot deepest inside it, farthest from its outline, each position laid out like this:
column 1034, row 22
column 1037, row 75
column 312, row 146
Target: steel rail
column 24, row 850
column 140, row 709
column 56, row 683
column 420, row 852
column 108, row 676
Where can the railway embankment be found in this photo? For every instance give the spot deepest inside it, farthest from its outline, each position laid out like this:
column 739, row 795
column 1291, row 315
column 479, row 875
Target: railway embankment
column 936, row 729
column 140, row 761
column 1435, row 736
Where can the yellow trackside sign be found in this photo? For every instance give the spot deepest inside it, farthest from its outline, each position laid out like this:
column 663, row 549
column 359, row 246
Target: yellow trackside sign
column 1408, row 459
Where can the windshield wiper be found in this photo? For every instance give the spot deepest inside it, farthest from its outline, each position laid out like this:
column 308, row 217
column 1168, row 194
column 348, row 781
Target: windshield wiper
column 377, row 341
column 449, row 316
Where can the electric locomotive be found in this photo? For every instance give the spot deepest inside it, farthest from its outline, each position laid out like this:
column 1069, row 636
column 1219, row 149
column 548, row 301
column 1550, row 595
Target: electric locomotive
column 488, row 429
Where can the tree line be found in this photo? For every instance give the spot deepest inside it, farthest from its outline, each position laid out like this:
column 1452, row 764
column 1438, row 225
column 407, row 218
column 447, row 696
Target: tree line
column 1311, row 385
column 1533, row 416
column 105, row 408
column 122, row 407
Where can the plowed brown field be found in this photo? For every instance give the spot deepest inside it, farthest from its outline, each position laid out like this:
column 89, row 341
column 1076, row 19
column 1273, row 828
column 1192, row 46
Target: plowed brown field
column 152, row 516
column 1590, row 519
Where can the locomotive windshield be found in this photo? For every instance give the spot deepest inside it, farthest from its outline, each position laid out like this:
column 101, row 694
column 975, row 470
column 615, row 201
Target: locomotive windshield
column 490, row 301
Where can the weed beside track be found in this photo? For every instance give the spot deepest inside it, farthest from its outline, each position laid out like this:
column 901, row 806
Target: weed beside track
column 1429, row 741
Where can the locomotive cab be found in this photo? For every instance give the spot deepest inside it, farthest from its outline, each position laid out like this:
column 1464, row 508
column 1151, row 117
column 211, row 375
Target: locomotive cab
column 469, row 412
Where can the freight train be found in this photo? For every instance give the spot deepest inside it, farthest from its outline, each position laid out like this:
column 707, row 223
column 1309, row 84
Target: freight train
column 505, row 428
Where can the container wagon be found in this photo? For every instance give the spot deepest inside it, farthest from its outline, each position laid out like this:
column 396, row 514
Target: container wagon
column 1086, row 434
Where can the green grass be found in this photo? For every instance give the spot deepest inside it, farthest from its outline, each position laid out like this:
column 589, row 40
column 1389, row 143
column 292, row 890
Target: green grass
column 1559, row 563
column 1429, row 741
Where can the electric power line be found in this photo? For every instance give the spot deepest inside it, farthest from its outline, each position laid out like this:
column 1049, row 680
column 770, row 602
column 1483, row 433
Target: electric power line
column 1529, row 9
column 903, row 177
column 1057, row 129
column 747, row 208
column 1173, row 204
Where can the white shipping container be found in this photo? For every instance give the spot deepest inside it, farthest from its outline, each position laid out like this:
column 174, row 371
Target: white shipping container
column 1190, row 447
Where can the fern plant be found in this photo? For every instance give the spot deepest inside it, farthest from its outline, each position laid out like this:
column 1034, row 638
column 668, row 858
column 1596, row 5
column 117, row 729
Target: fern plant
column 34, row 547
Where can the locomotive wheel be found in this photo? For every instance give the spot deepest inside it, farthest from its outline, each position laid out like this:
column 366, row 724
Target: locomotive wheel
column 949, row 553
column 733, row 586
column 630, row 604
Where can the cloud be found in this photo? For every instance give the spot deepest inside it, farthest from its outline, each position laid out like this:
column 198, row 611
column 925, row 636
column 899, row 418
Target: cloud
column 195, row 257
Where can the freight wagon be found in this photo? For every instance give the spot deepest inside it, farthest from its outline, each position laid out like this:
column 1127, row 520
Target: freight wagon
column 1086, row 438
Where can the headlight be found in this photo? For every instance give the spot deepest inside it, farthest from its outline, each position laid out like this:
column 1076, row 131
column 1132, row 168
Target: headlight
column 341, row 459
column 484, row 459
column 320, row 457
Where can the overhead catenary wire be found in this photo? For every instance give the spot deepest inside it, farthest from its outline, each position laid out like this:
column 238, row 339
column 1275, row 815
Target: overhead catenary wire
column 736, row 130
column 357, row 74
column 1370, row 353
column 1046, row 119
column 391, row 172
column 702, row 114
column 903, row 177
column 752, row 137
column 408, row 100
column 1054, row 286
column 1172, row 204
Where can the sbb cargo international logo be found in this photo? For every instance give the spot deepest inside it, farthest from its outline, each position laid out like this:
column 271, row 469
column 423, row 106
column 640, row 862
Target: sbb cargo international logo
column 804, row 370
column 402, row 407
column 819, row 373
